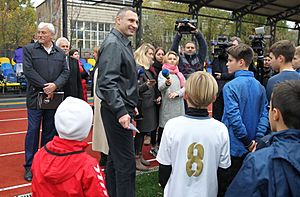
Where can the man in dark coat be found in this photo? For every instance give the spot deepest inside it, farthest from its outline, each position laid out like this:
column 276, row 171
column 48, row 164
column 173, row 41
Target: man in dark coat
column 73, row 86
column 46, row 71
column 118, row 89
column 190, row 60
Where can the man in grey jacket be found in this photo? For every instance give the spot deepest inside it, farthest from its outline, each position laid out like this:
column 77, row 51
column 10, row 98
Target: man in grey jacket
column 117, row 88
column 46, row 71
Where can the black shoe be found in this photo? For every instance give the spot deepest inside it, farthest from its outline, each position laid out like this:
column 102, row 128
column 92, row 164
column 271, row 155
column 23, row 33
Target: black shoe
column 28, row 174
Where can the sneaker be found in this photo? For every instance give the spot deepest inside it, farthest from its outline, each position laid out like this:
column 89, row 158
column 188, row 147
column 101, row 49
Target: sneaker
column 153, row 152
column 147, row 140
column 139, row 165
column 28, row 174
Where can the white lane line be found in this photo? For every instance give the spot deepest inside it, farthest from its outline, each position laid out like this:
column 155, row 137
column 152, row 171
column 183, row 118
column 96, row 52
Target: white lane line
column 13, row 133
column 13, row 153
column 9, row 110
column 13, row 119
column 15, row 187
column 20, row 152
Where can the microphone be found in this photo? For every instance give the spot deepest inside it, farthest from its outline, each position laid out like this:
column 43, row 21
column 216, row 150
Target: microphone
column 166, row 73
column 140, row 74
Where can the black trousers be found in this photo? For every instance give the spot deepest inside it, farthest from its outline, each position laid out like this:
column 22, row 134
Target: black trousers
column 226, row 176
column 159, row 135
column 138, row 142
column 218, row 107
column 120, row 166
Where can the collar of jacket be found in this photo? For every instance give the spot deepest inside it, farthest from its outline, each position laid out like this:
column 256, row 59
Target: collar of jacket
column 286, row 146
column 197, row 112
column 54, row 47
column 61, row 146
column 244, row 73
column 286, row 135
column 123, row 38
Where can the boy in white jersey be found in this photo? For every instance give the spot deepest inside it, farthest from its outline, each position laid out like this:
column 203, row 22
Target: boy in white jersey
column 194, row 146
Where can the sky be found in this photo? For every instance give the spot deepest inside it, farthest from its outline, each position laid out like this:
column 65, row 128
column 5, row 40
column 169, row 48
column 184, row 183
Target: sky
column 36, row 2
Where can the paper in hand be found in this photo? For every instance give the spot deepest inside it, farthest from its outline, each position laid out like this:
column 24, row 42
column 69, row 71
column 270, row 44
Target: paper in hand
column 133, row 128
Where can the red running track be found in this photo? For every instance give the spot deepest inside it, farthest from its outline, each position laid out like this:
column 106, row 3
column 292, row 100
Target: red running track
column 13, row 126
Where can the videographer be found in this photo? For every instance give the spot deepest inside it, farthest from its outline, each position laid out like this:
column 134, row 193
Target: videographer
column 220, row 72
column 190, row 61
column 267, row 69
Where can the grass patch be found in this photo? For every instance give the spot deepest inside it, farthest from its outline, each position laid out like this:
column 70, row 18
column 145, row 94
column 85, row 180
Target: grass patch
column 147, row 185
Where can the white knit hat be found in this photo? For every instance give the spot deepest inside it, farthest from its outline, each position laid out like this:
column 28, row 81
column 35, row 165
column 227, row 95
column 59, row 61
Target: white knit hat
column 73, row 119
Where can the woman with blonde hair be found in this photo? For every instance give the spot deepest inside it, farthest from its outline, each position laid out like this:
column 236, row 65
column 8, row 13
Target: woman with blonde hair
column 148, row 120
column 171, row 85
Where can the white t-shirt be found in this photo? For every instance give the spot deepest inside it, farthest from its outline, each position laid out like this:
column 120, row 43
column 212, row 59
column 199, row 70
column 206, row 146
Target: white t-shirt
column 187, row 144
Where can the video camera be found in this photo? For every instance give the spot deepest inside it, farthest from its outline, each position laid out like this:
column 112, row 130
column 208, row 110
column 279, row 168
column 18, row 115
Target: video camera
column 258, row 40
column 258, row 44
column 185, row 29
column 220, row 46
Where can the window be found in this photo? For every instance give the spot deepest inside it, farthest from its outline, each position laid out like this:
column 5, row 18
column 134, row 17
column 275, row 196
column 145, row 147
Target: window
column 107, row 27
column 89, row 34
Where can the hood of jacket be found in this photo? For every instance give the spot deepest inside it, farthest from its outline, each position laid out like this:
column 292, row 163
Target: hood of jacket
column 286, row 146
column 57, row 169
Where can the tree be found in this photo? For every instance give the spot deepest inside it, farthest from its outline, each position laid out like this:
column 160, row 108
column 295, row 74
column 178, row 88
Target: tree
column 17, row 24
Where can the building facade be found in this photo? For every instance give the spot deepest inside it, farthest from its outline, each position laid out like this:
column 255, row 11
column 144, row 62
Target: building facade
column 88, row 22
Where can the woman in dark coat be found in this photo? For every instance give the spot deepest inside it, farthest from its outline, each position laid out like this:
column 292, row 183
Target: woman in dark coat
column 148, row 120
column 158, row 59
column 74, row 53
column 156, row 68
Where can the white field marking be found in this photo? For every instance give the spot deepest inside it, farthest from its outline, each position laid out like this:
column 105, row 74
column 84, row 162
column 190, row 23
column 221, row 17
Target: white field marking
column 13, row 119
column 13, row 153
column 13, row 133
column 16, row 133
column 9, row 110
column 14, row 187
column 20, row 152
column 151, row 160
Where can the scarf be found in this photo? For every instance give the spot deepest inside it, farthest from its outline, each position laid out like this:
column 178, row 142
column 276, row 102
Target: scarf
column 174, row 70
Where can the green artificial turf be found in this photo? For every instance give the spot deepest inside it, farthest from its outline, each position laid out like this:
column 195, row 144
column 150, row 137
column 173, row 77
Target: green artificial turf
column 147, row 184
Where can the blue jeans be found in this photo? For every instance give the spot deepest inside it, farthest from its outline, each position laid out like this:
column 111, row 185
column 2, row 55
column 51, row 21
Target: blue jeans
column 35, row 116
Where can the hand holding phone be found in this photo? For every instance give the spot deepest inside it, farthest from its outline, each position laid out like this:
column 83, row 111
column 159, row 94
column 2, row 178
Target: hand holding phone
column 151, row 82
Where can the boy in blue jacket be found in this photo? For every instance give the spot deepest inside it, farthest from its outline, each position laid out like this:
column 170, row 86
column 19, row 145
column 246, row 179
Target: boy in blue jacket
column 275, row 170
column 245, row 111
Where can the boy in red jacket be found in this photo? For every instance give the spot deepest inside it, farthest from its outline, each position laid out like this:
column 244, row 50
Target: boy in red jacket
column 62, row 167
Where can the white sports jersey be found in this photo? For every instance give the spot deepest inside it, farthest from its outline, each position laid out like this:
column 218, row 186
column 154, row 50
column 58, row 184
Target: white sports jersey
column 195, row 147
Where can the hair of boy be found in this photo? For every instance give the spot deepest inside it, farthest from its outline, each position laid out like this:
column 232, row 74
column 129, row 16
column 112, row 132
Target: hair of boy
column 297, row 51
column 171, row 53
column 123, row 10
column 238, row 39
column 241, row 51
column 201, row 89
column 285, row 48
column 286, row 98
column 141, row 57
column 72, row 51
